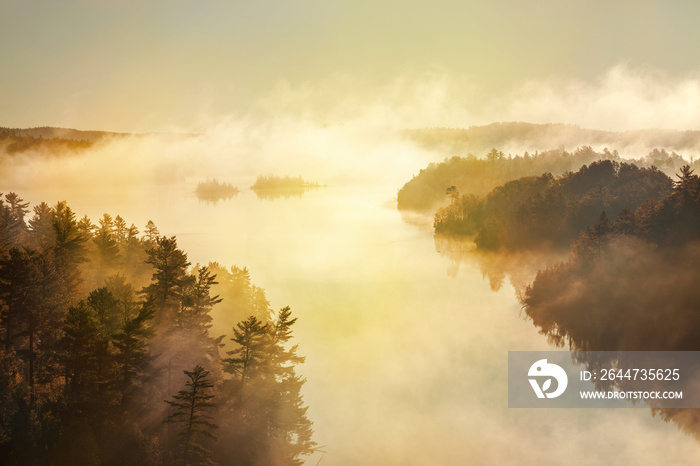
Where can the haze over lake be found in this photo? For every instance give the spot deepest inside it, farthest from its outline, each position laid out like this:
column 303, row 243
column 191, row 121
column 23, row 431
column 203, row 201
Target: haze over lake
column 406, row 358
column 467, row 164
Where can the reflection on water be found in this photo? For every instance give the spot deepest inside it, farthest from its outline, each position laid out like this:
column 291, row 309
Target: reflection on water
column 406, row 364
column 272, row 194
column 629, row 294
column 519, row 267
column 214, row 191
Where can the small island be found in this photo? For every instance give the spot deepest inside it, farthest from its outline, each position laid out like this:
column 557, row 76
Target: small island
column 214, row 191
column 274, row 187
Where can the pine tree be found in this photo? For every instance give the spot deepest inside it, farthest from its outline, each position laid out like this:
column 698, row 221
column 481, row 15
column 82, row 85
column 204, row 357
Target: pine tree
column 125, row 295
column 266, row 400
column 260, row 304
column 240, row 290
column 69, row 238
column 151, row 234
column 198, row 301
column 106, row 308
column 289, row 430
column 120, row 229
column 242, row 298
column 17, row 274
column 70, row 245
column 132, row 356
column 43, row 322
column 106, row 244
column 91, row 357
column 16, row 229
column 170, row 276
column 252, row 339
column 33, row 298
column 86, row 227
column 686, row 186
column 133, row 252
column 190, row 407
column 194, row 320
column 41, row 229
column 80, row 343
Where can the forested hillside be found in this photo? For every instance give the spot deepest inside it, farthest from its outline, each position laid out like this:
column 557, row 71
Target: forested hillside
column 107, row 354
column 17, row 141
column 630, row 284
column 478, row 176
column 543, row 211
column 51, row 132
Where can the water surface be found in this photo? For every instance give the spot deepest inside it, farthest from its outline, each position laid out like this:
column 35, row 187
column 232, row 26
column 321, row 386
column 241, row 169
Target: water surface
column 406, row 345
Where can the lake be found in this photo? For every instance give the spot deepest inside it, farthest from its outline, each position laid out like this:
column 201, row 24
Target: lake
column 406, row 338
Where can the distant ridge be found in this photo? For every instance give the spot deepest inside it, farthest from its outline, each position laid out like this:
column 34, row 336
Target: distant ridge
column 529, row 136
column 50, row 132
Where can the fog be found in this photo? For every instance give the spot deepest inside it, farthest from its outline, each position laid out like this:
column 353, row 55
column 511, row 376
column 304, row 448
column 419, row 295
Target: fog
column 344, row 128
column 637, row 297
column 406, row 351
column 624, row 98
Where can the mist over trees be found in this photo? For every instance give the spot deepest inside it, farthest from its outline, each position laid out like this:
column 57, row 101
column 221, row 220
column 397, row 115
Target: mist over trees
column 640, row 247
column 480, row 175
column 630, row 284
column 15, row 141
column 630, row 280
column 274, row 187
column 545, row 211
column 107, row 354
column 214, row 190
column 272, row 182
column 531, row 137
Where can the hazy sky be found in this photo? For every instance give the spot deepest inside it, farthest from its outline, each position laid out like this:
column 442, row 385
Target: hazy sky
column 149, row 65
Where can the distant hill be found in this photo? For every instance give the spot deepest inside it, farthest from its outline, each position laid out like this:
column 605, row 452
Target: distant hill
column 49, row 132
column 531, row 137
column 50, row 140
column 57, row 141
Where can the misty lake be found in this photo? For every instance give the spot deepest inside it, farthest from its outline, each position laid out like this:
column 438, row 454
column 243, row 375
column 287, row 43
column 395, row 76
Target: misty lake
column 497, row 109
column 406, row 347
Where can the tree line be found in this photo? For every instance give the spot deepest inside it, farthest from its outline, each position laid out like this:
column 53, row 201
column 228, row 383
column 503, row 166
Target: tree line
column 107, row 354
column 480, row 175
column 544, row 211
column 480, row 139
column 629, row 284
column 651, row 250
column 270, row 187
column 630, row 280
column 214, row 190
column 13, row 143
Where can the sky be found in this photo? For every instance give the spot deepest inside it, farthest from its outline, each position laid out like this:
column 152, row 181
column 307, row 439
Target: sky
column 153, row 65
